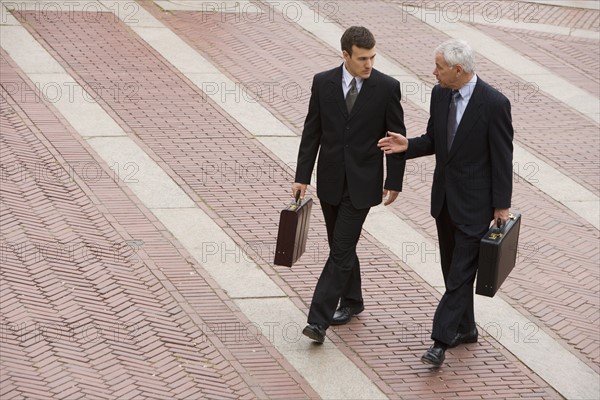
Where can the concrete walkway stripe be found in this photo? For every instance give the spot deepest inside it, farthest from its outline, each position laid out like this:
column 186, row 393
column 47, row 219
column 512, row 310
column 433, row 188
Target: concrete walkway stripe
column 151, row 184
column 547, row 179
column 227, row 6
column 453, row 13
column 55, row 84
column 233, row 270
column 587, row 4
column 244, row 281
column 381, row 217
column 330, row 371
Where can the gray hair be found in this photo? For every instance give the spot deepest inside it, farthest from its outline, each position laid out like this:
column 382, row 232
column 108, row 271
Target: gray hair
column 457, row 52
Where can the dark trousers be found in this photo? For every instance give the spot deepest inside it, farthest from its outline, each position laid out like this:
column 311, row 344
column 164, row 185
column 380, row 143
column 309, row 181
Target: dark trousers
column 340, row 279
column 459, row 250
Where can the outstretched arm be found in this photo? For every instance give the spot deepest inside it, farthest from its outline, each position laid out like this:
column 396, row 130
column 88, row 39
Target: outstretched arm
column 393, row 143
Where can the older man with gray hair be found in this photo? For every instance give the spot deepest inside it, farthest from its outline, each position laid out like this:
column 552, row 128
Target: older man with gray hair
column 470, row 132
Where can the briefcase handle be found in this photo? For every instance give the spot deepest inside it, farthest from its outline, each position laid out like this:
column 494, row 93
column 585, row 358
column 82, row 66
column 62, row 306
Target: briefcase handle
column 499, row 221
column 297, row 202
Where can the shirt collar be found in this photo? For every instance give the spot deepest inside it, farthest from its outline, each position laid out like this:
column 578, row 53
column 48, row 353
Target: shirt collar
column 467, row 90
column 347, row 77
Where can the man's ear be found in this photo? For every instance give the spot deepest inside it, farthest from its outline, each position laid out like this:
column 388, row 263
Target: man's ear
column 346, row 55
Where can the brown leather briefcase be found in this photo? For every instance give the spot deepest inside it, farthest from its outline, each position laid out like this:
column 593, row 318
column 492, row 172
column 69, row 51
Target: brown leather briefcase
column 294, row 221
column 497, row 255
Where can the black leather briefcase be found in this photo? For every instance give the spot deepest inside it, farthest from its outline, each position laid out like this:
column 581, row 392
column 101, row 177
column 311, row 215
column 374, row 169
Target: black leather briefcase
column 294, row 222
column 497, row 255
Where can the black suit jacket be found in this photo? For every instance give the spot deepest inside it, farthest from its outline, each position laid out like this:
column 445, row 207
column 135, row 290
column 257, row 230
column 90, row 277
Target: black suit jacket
column 476, row 175
column 347, row 144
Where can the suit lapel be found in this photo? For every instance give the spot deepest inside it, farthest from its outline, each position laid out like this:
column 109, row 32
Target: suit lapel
column 469, row 118
column 335, row 83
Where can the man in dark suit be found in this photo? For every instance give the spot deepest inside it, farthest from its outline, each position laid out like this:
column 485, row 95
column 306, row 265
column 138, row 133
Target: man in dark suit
column 351, row 107
column 470, row 132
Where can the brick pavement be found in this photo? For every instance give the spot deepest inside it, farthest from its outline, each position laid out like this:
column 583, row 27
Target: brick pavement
column 100, row 319
column 175, row 137
column 178, row 125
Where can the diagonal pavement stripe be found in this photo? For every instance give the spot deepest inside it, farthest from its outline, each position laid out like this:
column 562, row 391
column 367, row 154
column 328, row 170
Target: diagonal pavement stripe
column 450, row 14
column 589, row 4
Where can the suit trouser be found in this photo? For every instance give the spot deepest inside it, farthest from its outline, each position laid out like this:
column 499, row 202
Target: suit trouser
column 459, row 250
column 340, row 278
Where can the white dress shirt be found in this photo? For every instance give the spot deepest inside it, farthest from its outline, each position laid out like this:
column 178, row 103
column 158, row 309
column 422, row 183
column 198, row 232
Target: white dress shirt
column 347, row 78
column 465, row 95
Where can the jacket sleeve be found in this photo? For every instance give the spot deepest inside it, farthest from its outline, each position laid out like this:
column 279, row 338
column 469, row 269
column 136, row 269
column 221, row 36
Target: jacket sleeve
column 395, row 163
column 311, row 138
column 501, row 153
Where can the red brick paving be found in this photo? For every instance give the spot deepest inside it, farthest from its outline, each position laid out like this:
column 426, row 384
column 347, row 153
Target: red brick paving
column 236, row 201
column 411, row 322
column 85, row 316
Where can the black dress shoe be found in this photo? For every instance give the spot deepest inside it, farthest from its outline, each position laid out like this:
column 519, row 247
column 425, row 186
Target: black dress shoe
column 435, row 355
column 344, row 314
column 315, row 332
column 469, row 337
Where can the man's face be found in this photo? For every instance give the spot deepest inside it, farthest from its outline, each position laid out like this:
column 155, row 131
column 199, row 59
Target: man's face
column 361, row 62
column 447, row 76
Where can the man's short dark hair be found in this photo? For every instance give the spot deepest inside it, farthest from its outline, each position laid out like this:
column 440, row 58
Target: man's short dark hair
column 358, row 36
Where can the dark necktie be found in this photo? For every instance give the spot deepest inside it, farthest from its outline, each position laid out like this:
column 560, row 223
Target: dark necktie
column 351, row 95
column 452, row 123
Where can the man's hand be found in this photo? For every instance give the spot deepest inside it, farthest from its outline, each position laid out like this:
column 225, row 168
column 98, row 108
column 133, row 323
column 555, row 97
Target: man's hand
column 298, row 187
column 393, row 143
column 389, row 196
column 502, row 213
